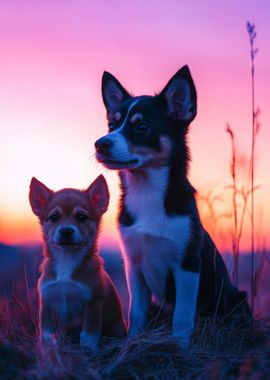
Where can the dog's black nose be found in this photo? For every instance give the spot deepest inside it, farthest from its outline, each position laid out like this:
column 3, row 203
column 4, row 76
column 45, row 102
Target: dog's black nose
column 66, row 233
column 103, row 145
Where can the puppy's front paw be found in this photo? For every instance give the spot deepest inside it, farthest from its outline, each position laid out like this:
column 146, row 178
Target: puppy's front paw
column 89, row 340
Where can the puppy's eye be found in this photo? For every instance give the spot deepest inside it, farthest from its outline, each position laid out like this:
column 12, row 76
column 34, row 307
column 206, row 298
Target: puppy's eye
column 81, row 217
column 54, row 218
column 142, row 128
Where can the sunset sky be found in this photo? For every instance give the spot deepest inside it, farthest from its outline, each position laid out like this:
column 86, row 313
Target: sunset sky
column 53, row 54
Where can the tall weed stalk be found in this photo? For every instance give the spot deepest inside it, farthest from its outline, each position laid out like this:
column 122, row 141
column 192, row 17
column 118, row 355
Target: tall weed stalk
column 248, row 192
column 253, row 51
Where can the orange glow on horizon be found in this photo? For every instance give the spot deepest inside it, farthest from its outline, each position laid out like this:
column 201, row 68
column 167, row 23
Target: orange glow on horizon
column 26, row 231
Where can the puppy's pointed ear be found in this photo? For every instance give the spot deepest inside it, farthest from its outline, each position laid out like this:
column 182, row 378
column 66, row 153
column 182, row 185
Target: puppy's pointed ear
column 113, row 92
column 38, row 196
column 180, row 96
column 98, row 195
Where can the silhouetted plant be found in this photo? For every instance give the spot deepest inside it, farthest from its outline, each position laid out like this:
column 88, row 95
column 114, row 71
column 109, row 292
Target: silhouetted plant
column 253, row 51
column 248, row 191
column 209, row 200
column 235, row 240
column 239, row 212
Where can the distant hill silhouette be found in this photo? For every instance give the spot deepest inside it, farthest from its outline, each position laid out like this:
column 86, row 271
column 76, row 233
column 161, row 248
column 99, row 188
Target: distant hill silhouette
column 19, row 272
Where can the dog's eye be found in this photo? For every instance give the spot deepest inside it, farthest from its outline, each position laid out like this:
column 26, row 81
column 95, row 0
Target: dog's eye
column 81, row 217
column 54, row 218
column 142, row 128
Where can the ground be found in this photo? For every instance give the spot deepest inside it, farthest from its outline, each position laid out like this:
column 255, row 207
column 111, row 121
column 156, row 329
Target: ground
column 216, row 352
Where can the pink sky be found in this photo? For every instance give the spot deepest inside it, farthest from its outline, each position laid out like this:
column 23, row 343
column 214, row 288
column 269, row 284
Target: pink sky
column 51, row 111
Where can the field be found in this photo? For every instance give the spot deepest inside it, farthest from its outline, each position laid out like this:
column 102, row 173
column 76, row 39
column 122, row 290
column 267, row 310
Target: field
column 216, row 352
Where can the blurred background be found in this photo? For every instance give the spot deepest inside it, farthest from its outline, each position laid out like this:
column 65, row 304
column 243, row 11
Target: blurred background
column 53, row 55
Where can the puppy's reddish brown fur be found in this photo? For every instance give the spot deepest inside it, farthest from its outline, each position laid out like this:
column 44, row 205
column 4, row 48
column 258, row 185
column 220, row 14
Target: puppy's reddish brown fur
column 74, row 289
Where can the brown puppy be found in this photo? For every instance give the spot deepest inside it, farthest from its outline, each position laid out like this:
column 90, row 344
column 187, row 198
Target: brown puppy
column 74, row 289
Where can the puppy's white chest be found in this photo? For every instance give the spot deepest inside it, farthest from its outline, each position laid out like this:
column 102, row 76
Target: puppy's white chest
column 64, row 267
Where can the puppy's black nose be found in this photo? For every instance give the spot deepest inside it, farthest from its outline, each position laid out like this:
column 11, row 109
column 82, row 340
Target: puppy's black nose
column 103, row 145
column 66, row 233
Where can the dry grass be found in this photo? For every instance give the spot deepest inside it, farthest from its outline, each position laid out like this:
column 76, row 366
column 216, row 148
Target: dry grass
column 216, row 352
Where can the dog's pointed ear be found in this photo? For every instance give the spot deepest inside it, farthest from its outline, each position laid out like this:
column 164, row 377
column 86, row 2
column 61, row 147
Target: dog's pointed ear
column 113, row 93
column 180, row 96
column 98, row 194
column 39, row 196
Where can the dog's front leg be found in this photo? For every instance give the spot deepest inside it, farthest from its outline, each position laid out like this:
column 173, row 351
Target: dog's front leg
column 92, row 324
column 139, row 302
column 187, row 285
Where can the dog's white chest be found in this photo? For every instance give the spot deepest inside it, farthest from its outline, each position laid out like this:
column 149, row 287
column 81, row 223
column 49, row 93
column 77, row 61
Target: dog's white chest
column 155, row 243
column 156, row 248
column 174, row 229
column 155, row 257
column 144, row 200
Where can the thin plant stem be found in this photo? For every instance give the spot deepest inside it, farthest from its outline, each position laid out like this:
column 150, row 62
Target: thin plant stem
column 235, row 240
column 253, row 51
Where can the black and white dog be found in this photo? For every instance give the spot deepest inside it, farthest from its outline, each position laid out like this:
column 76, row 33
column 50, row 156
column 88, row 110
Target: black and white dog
column 168, row 254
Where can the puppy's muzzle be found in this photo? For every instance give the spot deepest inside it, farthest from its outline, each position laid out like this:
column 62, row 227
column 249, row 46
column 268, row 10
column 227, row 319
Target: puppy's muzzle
column 68, row 235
